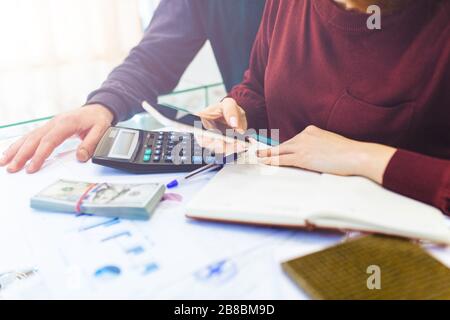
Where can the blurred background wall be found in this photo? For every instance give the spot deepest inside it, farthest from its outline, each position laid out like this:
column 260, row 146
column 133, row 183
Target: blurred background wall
column 54, row 52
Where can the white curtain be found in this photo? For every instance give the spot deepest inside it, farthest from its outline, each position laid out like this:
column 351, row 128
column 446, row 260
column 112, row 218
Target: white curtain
column 54, row 52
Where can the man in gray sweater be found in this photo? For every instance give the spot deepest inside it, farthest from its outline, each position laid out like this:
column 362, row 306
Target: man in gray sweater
column 177, row 32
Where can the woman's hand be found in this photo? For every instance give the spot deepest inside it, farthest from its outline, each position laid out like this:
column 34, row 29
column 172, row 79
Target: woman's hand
column 323, row 151
column 226, row 113
column 89, row 123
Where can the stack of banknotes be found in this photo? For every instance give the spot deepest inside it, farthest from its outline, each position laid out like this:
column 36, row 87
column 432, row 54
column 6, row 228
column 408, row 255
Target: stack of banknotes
column 129, row 201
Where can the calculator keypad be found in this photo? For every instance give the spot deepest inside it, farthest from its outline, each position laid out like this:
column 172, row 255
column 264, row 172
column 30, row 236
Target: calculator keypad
column 159, row 146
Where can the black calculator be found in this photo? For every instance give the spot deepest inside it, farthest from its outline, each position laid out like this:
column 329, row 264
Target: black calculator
column 140, row 151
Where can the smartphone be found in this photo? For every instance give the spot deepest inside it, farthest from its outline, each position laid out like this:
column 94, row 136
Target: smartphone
column 180, row 118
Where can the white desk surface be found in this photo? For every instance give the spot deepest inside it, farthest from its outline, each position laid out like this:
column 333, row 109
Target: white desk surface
column 178, row 258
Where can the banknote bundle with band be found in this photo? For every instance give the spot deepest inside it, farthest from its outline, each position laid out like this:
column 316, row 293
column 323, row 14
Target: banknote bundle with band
column 131, row 201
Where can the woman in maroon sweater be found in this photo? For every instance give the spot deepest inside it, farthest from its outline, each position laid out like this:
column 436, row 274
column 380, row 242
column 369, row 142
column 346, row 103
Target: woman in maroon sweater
column 349, row 100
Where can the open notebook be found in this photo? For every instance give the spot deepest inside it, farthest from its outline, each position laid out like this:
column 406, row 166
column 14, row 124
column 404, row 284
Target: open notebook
column 259, row 194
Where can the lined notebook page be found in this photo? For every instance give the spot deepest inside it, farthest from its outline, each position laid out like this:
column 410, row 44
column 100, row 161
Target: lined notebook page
column 258, row 193
column 362, row 202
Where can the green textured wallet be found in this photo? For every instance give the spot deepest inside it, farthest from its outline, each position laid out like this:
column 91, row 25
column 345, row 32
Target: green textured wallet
column 371, row 267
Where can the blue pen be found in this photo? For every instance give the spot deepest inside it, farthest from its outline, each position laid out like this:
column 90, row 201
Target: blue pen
column 208, row 168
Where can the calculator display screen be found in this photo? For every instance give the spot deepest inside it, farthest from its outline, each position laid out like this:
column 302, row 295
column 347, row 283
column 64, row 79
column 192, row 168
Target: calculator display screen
column 123, row 144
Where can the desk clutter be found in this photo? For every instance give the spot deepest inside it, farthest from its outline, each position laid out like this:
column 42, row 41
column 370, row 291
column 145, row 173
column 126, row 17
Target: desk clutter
column 371, row 268
column 114, row 249
column 253, row 193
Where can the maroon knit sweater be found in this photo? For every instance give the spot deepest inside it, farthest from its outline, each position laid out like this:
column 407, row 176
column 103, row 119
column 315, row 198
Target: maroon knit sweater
column 316, row 63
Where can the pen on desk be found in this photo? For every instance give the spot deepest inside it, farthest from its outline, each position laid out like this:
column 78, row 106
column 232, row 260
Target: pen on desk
column 8, row 278
column 208, row 168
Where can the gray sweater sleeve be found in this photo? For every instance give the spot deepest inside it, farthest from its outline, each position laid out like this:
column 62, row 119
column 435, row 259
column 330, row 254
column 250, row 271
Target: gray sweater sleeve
column 154, row 67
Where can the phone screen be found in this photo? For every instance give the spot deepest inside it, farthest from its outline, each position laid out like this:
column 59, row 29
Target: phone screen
column 184, row 117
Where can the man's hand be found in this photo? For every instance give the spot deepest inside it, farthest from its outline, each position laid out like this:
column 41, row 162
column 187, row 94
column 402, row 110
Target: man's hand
column 89, row 123
column 323, row 151
column 226, row 113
